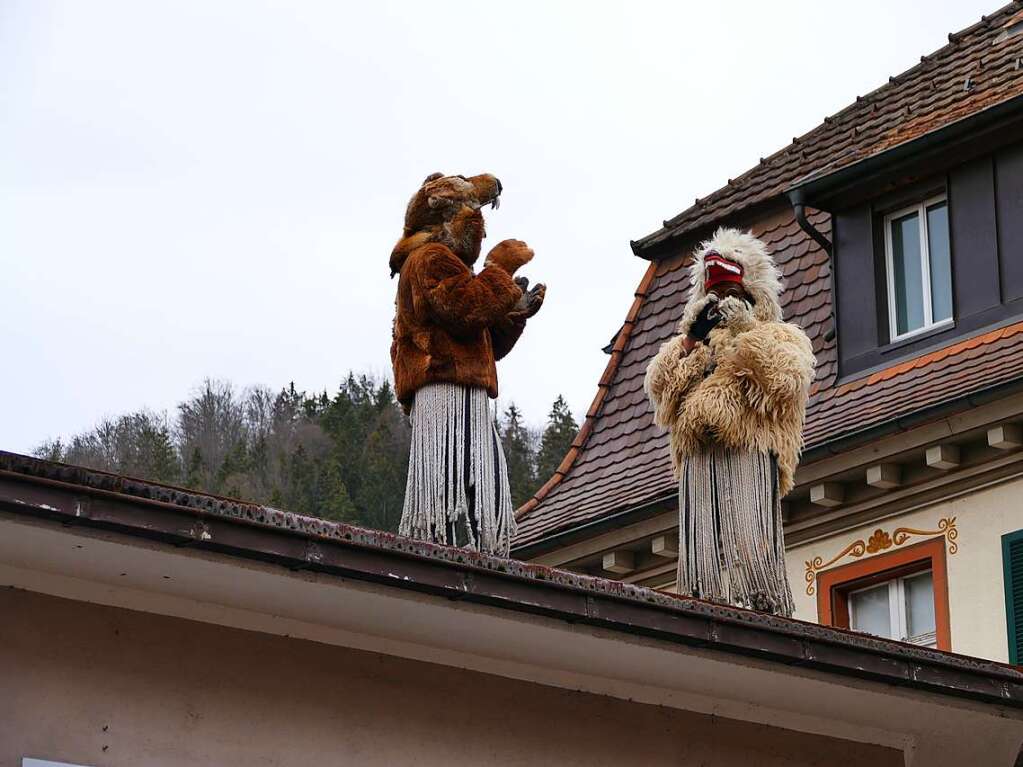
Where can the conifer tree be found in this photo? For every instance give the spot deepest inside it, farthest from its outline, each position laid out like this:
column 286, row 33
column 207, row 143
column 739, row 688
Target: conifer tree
column 337, row 504
column 557, row 438
column 194, row 474
column 519, row 455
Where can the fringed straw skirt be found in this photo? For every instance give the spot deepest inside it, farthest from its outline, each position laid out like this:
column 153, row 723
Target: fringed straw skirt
column 731, row 548
column 457, row 491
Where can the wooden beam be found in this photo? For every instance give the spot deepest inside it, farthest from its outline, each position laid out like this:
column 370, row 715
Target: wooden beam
column 884, row 475
column 665, row 546
column 1008, row 436
column 621, row 561
column 943, row 457
column 827, row 494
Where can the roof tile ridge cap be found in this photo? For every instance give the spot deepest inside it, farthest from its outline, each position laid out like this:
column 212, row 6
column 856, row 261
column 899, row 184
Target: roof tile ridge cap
column 602, row 388
column 986, row 20
column 830, row 123
column 833, row 120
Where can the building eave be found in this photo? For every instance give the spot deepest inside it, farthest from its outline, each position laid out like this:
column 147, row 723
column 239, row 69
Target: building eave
column 342, row 551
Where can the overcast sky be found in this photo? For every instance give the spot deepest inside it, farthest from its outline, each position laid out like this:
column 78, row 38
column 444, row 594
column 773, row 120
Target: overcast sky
column 213, row 188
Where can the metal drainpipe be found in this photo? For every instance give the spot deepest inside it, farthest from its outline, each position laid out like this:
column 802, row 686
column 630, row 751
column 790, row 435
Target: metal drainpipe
column 799, row 208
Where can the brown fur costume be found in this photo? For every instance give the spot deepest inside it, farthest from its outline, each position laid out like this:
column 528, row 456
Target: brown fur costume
column 747, row 387
column 451, row 325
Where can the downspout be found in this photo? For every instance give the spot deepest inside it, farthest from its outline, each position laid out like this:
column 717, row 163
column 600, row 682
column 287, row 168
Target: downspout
column 796, row 198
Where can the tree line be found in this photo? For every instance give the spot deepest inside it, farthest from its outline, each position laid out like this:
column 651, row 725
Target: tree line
column 342, row 457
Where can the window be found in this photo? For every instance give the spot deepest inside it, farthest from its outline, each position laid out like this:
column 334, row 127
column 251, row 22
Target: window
column 919, row 268
column 1012, row 563
column 902, row 608
column 902, row 594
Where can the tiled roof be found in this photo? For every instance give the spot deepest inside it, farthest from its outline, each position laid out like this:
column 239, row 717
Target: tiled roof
column 989, row 359
column 976, row 70
column 620, row 460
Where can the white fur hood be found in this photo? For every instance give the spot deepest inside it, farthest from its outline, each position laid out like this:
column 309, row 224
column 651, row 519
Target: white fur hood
column 761, row 278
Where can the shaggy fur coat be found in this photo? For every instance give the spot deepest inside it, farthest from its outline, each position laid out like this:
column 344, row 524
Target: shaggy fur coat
column 451, row 325
column 747, row 387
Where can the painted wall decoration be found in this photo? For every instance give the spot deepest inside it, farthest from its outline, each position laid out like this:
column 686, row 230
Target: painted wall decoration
column 880, row 540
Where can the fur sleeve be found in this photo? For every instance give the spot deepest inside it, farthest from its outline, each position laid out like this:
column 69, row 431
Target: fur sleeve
column 670, row 375
column 458, row 299
column 775, row 360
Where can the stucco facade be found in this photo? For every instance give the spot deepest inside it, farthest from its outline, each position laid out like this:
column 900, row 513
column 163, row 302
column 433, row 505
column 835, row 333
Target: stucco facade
column 98, row 685
column 975, row 578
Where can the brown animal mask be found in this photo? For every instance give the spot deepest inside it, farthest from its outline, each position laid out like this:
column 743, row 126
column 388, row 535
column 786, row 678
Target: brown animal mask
column 446, row 209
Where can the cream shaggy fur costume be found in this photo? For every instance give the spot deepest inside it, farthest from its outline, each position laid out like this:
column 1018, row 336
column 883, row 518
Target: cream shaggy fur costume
column 742, row 393
column 754, row 396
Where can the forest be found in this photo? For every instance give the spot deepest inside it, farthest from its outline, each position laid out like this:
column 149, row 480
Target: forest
column 342, row 457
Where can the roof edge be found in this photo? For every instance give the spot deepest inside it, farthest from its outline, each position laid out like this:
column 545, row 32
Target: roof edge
column 401, row 563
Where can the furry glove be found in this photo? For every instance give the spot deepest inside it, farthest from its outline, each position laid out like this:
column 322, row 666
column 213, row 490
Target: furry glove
column 509, row 255
column 706, row 320
column 735, row 314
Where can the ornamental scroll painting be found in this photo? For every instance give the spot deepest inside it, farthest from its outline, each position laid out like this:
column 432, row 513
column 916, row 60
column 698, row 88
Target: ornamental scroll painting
column 877, row 542
column 732, row 388
column 451, row 325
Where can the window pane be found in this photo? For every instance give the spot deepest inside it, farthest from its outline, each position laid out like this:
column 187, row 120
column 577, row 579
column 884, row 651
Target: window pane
column 908, row 277
column 920, row 604
column 869, row 611
column 941, row 261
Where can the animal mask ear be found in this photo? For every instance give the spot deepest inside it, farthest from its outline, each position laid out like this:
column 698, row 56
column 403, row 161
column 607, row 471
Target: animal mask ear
column 432, row 177
column 436, row 201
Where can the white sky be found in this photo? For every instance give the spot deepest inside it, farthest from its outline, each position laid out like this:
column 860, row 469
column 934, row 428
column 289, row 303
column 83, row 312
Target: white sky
column 213, row 188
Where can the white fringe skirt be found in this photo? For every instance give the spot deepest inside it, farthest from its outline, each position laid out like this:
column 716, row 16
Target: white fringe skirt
column 731, row 548
column 457, row 491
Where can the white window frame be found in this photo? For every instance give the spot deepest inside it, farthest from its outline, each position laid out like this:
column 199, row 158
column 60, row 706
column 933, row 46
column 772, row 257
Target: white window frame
column 920, row 209
column 897, row 617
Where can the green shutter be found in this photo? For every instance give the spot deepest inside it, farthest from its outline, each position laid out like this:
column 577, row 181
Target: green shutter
column 1012, row 562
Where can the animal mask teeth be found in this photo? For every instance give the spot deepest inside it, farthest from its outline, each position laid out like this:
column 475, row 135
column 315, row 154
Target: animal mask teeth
column 496, row 203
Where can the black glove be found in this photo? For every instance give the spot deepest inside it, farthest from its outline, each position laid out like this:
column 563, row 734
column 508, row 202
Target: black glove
column 705, row 321
column 530, row 302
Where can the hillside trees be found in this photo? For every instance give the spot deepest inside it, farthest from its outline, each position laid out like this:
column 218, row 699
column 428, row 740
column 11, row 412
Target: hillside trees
column 342, row 456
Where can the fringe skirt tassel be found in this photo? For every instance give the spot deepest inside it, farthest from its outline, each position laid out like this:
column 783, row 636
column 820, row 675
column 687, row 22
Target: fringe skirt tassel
column 731, row 548
column 457, row 491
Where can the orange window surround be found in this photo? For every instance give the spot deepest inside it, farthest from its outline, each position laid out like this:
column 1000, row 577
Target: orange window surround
column 834, row 585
